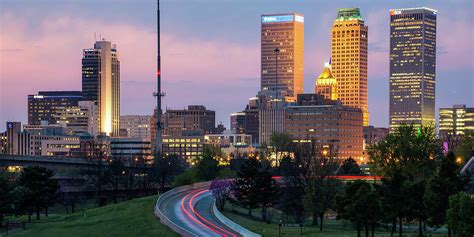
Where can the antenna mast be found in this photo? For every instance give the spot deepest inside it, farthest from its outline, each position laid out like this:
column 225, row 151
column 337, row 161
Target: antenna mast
column 158, row 94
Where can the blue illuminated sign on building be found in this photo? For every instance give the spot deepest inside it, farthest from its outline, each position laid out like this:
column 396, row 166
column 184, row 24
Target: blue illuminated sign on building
column 280, row 18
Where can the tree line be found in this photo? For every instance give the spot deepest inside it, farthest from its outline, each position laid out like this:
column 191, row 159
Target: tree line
column 421, row 184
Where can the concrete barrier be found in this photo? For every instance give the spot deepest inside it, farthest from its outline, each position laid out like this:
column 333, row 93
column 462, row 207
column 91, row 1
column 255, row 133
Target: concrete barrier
column 165, row 220
column 234, row 226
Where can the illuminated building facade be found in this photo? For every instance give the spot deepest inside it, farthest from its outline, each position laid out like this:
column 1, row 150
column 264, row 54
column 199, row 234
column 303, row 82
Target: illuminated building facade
column 42, row 107
column 137, row 126
column 189, row 148
column 195, row 118
column 237, row 122
column 271, row 117
column 412, row 66
column 136, row 149
column 229, row 138
column 327, row 122
column 38, row 144
column 285, row 32
column 349, row 59
column 326, row 84
column 456, row 121
column 101, row 83
column 11, row 134
column 74, row 119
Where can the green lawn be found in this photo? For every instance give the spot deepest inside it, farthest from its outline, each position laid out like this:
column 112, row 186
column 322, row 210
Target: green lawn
column 130, row 218
column 331, row 228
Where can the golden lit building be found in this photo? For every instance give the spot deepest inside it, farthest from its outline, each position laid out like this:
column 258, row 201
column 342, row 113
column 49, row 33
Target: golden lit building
column 412, row 66
column 284, row 32
column 101, row 83
column 326, row 84
column 349, row 59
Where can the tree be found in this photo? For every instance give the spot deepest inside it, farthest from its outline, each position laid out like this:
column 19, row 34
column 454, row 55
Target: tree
column 290, row 195
column 349, row 167
column 208, row 167
column 167, row 168
column 118, row 169
column 393, row 199
column 42, row 187
column 461, row 215
column 281, row 143
column 96, row 152
column 465, row 149
column 266, row 190
column 318, row 162
column 221, row 190
column 6, row 196
column 361, row 205
column 445, row 183
column 410, row 153
column 246, row 185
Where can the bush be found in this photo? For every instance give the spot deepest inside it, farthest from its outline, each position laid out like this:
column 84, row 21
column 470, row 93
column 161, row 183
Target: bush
column 188, row 177
column 227, row 173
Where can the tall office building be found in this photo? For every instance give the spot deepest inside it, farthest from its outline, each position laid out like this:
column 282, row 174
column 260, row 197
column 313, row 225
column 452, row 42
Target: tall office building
column 326, row 84
column 412, row 66
column 349, row 58
column 455, row 121
column 285, row 32
column 101, row 83
column 42, row 106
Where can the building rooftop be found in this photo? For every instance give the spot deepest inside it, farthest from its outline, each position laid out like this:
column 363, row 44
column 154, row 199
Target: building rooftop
column 346, row 14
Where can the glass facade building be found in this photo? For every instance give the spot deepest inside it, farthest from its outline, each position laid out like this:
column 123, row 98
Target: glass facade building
column 412, row 66
column 42, row 107
column 456, row 121
column 101, row 83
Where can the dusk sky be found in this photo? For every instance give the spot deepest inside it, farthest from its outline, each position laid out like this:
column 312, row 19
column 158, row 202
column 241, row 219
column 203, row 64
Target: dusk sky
column 210, row 50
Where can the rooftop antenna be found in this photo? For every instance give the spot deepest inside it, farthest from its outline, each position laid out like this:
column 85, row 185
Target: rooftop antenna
column 95, row 38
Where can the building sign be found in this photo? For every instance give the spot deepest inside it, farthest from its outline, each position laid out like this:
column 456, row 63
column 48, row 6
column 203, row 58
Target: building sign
column 282, row 18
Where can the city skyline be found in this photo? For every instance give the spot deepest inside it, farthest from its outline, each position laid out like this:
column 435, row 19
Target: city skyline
column 212, row 76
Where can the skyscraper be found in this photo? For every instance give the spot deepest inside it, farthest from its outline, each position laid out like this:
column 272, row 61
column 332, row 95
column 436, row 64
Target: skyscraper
column 326, row 84
column 349, row 59
column 101, row 83
column 412, row 66
column 284, row 32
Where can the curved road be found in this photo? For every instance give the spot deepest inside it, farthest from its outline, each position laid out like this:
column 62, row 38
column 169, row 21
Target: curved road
column 192, row 211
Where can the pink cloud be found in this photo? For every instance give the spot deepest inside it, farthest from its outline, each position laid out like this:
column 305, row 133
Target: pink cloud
column 51, row 60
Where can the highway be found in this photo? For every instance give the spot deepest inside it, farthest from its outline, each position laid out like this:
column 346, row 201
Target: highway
column 191, row 210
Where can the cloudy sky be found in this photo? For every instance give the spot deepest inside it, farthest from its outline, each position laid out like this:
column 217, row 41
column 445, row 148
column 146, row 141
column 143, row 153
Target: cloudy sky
column 210, row 49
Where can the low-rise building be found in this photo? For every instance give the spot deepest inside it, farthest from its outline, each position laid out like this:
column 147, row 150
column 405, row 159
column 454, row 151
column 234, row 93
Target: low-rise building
column 228, row 138
column 455, row 121
column 189, row 148
column 136, row 149
column 327, row 122
column 137, row 126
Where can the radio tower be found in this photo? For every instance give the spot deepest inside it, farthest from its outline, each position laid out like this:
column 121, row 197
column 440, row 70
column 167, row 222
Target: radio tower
column 158, row 94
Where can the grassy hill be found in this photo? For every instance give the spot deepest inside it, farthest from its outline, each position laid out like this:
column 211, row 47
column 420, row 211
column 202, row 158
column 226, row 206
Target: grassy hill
column 130, row 218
